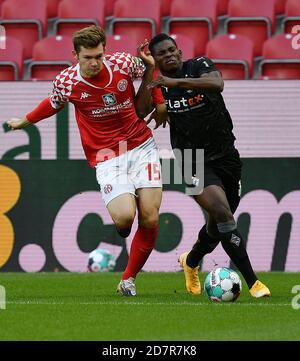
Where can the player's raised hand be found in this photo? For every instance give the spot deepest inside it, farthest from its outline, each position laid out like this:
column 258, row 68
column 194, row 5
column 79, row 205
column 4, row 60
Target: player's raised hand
column 17, row 123
column 162, row 81
column 144, row 54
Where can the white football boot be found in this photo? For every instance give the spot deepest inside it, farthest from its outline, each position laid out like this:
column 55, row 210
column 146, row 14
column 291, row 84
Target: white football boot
column 127, row 287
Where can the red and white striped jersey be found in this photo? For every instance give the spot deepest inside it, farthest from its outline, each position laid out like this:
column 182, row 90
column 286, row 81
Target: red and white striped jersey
column 104, row 106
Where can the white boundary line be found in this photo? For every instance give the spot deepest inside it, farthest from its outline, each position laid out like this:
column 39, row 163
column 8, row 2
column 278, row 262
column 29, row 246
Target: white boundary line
column 134, row 303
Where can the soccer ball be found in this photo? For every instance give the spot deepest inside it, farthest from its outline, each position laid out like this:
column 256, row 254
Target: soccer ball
column 223, row 285
column 101, row 260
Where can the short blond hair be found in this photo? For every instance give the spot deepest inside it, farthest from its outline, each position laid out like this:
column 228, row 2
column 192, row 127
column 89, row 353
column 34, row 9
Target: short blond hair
column 89, row 37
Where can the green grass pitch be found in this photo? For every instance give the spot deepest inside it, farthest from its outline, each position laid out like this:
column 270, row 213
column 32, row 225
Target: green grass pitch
column 72, row 306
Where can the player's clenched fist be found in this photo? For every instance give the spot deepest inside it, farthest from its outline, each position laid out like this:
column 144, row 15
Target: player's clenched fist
column 17, row 123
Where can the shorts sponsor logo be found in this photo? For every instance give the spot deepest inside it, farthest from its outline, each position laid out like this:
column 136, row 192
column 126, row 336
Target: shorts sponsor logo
column 195, row 181
column 107, row 188
column 122, row 85
column 109, row 99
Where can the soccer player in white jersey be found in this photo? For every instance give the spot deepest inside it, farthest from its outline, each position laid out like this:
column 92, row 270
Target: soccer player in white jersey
column 116, row 141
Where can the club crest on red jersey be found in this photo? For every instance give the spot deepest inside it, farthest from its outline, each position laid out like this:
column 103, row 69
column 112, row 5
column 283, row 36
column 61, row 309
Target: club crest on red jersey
column 122, row 85
column 109, row 99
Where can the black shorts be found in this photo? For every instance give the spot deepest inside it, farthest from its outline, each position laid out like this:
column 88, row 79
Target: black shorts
column 226, row 173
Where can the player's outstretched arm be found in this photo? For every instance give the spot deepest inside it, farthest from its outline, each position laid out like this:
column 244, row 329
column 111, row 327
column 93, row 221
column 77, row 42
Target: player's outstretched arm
column 211, row 81
column 42, row 111
column 18, row 123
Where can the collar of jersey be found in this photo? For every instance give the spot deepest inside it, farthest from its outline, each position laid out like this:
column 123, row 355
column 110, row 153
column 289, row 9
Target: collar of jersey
column 92, row 85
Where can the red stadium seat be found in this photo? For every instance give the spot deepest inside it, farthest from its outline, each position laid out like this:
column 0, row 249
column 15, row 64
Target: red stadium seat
column 76, row 14
column 120, row 43
column 1, row 1
column 281, row 61
column 136, row 19
column 292, row 12
column 194, row 19
column 255, row 19
column 52, row 8
column 233, row 55
column 50, row 56
column 25, row 20
column 165, row 7
column 11, row 60
column 279, row 6
column 222, row 7
column 186, row 45
column 109, row 7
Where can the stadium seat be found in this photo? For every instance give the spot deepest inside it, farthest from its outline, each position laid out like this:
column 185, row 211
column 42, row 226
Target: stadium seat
column 222, row 7
column 292, row 12
column 194, row 19
column 74, row 15
column 165, row 7
column 185, row 44
column 52, row 8
column 11, row 60
column 50, row 56
column 120, row 43
column 233, row 55
column 280, row 60
column 1, row 1
column 109, row 7
column 255, row 19
column 279, row 6
column 25, row 20
column 136, row 19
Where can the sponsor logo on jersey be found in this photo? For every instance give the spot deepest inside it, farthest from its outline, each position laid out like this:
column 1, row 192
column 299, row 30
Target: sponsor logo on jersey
column 85, row 95
column 122, row 85
column 112, row 109
column 109, row 99
column 184, row 103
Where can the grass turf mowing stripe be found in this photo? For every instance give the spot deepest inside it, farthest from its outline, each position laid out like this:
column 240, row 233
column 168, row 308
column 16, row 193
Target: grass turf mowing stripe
column 71, row 306
column 133, row 303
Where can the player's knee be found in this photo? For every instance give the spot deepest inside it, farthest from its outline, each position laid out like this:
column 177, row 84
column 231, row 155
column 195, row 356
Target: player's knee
column 124, row 232
column 213, row 232
column 149, row 219
column 124, row 222
column 221, row 213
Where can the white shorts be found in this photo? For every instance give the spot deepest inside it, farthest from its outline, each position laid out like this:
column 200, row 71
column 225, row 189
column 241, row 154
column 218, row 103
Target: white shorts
column 134, row 169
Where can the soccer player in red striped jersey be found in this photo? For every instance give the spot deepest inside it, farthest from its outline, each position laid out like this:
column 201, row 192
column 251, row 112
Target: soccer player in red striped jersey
column 115, row 138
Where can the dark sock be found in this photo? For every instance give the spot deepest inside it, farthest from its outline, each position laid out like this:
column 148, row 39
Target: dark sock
column 234, row 246
column 204, row 245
